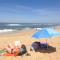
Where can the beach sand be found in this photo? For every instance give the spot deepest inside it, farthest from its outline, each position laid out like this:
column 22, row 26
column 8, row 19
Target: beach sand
column 26, row 38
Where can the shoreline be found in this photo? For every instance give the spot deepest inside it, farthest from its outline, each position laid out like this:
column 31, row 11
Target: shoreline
column 15, row 32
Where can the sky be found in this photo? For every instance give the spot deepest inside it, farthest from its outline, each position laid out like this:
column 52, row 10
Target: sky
column 30, row 11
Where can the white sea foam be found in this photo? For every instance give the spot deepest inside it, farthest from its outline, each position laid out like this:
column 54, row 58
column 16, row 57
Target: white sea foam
column 6, row 30
column 38, row 28
column 14, row 24
column 27, row 28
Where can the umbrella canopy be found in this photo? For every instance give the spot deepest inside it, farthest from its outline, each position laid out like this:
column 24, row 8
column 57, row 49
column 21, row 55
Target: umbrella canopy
column 52, row 32
column 42, row 34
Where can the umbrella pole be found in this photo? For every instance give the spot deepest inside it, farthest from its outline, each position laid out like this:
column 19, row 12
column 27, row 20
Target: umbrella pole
column 46, row 43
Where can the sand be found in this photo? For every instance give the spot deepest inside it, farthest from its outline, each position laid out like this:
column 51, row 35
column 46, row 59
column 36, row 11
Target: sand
column 26, row 38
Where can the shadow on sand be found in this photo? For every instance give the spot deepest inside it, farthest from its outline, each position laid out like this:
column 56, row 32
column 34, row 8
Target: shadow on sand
column 49, row 50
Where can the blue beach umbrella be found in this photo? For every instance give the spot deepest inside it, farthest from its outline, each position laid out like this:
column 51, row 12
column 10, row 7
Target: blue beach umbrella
column 46, row 33
column 42, row 34
column 52, row 32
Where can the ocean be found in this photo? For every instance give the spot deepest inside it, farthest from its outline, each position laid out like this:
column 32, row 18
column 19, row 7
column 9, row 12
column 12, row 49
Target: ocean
column 9, row 27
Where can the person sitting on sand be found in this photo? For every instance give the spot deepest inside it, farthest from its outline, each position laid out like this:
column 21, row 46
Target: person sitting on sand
column 35, row 46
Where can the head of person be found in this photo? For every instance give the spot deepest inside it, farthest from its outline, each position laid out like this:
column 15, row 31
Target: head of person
column 23, row 46
column 16, row 51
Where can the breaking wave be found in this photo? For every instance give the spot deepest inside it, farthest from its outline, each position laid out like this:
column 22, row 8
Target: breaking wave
column 14, row 24
column 6, row 30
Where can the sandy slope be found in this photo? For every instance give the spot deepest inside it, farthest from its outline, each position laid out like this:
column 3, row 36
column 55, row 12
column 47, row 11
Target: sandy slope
column 26, row 38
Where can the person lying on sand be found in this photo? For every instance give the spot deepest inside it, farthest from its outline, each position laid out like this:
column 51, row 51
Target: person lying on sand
column 17, row 50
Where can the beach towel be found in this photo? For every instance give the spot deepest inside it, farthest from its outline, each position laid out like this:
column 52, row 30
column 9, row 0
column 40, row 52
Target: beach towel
column 2, row 52
column 8, row 54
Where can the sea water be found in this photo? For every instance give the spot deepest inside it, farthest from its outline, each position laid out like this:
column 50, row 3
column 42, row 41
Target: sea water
column 9, row 27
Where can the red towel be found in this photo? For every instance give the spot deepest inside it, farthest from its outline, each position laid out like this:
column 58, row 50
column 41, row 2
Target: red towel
column 8, row 54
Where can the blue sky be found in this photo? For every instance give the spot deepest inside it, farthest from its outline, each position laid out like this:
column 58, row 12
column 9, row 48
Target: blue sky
column 30, row 11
